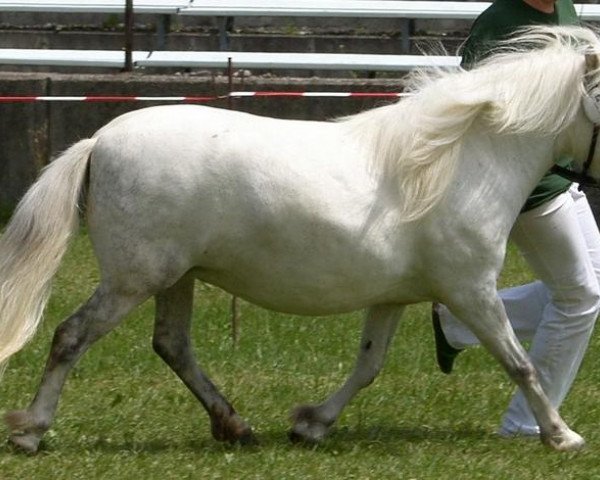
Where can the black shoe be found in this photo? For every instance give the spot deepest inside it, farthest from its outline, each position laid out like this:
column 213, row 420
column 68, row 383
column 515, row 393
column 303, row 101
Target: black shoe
column 444, row 352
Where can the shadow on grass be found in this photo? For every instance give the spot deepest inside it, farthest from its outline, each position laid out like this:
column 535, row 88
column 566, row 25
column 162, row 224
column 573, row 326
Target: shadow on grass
column 408, row 434
column 340, row 440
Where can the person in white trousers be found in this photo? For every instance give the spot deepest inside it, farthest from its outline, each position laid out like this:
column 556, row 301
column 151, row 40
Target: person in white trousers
column 561, row 242
column 556, row 233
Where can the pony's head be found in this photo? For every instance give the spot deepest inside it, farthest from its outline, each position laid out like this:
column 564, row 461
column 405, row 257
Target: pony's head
column 591, row 109
column 533, row 84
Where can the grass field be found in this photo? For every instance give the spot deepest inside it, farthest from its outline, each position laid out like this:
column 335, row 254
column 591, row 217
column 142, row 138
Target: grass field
column 124, row 415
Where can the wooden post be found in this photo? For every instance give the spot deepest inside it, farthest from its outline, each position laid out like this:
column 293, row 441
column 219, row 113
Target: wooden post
column 235, row 321
column 128, row 35
column 235, row 311
column 229, row 83
column 163, row 26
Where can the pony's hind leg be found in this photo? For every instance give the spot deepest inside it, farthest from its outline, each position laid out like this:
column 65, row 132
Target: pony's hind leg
column 102, row 312
column 172, row 343
column 312, row 422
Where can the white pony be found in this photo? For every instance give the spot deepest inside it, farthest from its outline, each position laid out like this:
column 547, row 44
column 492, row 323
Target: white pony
column 405, row 203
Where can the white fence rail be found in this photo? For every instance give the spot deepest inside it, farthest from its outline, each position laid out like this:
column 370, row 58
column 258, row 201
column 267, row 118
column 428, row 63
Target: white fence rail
column 406, row 9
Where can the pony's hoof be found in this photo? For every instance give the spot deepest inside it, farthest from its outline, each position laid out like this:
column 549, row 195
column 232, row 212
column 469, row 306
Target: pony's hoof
column 303, row 432
column 567, row 441
column 27, row 443
column 308, row 426
column 25, row 433
column 248, row 439
column 230, row 427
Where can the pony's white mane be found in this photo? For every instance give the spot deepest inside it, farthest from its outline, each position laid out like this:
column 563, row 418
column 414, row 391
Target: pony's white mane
column 416, row 142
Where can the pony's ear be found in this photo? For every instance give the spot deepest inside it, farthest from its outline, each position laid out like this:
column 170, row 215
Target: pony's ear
column 591, row 62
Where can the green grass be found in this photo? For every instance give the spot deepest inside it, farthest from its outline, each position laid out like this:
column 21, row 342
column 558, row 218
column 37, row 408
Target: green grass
column 124, row 415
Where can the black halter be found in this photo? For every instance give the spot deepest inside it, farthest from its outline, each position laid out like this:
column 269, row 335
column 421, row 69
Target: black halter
column 582, row 177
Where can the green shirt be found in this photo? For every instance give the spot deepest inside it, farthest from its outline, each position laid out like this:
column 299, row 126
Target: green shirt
column 496, row 23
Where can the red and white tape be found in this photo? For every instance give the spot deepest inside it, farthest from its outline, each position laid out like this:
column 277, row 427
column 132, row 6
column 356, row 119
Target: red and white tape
column 319, row 94
column 99, row 98
column 189, row 99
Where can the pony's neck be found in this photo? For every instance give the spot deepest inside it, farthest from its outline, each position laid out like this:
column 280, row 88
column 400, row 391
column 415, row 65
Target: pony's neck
column 501, row 171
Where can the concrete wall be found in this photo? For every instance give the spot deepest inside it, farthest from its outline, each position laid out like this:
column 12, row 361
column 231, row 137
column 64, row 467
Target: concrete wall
column 24, row 139
column 31, row 133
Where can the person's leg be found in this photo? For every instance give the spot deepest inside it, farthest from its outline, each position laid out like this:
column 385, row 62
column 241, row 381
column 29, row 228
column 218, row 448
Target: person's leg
column 589, row 227
column 560, row 241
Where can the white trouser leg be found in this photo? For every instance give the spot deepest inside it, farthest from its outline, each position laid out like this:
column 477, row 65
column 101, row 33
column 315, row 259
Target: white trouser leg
column 561, row 243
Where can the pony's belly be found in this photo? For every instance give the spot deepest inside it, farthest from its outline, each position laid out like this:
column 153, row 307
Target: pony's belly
column 290, row 298
column 316, row 286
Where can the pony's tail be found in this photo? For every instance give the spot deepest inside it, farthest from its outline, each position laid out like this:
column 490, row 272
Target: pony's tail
column 34, row 243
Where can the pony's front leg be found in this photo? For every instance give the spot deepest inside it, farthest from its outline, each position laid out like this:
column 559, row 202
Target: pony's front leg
column 486, row 317
column 312, row 422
